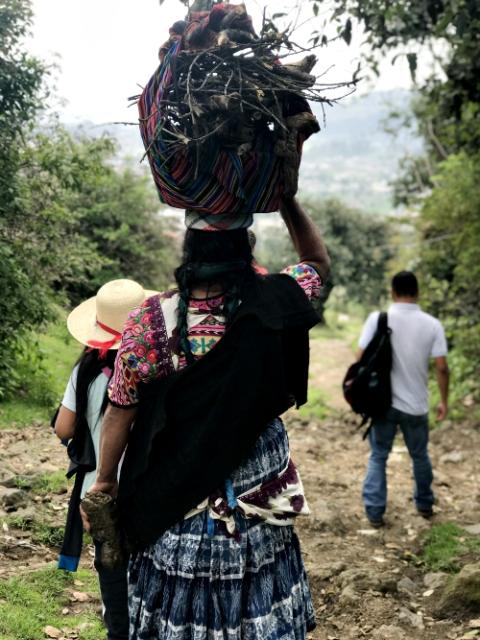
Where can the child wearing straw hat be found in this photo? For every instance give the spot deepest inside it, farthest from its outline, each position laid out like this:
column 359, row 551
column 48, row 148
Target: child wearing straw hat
column 96, row 323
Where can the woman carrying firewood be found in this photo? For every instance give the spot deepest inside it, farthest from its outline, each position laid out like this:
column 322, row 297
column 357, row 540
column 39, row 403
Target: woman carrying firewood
column 208, row 493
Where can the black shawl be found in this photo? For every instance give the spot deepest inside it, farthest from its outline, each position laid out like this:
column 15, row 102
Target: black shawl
column 196, row 426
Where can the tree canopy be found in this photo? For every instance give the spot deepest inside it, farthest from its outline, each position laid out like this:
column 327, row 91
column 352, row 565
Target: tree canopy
column 69, row 219
column 443, row 183
column 358, row 245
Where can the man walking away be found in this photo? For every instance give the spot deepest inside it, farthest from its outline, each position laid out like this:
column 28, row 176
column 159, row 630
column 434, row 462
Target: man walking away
column 416, row 337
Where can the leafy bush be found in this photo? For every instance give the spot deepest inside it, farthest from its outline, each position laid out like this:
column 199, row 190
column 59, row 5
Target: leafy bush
column 450, row 264
column 30, row 375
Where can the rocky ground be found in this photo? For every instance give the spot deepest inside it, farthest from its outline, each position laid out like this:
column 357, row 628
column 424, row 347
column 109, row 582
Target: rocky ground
column 367, row 584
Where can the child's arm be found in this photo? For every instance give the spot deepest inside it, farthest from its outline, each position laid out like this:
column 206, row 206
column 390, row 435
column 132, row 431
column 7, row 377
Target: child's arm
column 65, row 423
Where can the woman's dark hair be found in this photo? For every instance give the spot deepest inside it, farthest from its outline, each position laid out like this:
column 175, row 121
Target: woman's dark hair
column 212, row 258
column 405, row 283
column 90, row 365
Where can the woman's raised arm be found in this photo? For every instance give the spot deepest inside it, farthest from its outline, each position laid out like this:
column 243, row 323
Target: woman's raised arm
column 306, row 237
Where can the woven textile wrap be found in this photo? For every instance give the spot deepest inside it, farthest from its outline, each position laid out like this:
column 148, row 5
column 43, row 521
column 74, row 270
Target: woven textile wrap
column 217, row 221
column 207, row 178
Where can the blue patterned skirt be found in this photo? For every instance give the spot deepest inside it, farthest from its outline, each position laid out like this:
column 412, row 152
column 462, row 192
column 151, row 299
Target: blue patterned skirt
column 197, row 583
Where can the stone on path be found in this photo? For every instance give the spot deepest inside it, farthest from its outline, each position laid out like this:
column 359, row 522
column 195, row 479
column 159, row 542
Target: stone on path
column 453, row 456
column 474, row 624
column 405, row 585
column 368, row 532
column 474, row 529
column 412, row 619
column 435, row 580
column 354, row 582
column 12, row 499
column 461, row 596
column 327, row 571
column 389, row 632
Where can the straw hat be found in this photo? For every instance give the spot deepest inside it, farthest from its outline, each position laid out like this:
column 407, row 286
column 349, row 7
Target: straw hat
column 98, row 322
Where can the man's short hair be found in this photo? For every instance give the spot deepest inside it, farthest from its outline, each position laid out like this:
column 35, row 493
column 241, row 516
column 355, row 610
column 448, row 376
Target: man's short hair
column 404, row 284
column 252, row 239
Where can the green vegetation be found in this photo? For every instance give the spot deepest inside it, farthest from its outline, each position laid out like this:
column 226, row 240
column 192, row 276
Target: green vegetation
column 41, row 532
column 51, row 483
column 451, row 264
column 442, row 182
column 30, row 602
column 316, row 407
column 343, row 319
column 341, row 327
column 69, row 219
column 42, row 386
column 358, row 244
column 445, row 544
column 463, row 388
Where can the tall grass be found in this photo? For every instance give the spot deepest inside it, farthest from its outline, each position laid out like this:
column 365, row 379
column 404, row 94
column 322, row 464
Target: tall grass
column 42, row 371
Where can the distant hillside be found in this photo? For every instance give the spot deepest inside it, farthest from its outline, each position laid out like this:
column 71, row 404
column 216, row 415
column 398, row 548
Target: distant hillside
column 351, row 158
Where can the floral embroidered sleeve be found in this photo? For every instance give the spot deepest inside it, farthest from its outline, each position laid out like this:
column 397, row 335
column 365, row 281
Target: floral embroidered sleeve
column 143, row 355
column 307, row 278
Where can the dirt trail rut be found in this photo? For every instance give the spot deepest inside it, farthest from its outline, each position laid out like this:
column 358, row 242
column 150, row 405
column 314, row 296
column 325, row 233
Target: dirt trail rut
column 329, row 360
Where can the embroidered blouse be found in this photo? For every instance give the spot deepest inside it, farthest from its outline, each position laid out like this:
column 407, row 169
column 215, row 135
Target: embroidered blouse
column 149, row 351
column 144, row 355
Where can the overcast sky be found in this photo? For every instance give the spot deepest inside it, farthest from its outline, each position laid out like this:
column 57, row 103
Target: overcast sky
column 106, row 48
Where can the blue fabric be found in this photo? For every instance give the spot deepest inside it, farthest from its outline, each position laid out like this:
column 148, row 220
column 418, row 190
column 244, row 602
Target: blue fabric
column 230, row 493
column 415, row 433
column 192, row 586
column 68, row 563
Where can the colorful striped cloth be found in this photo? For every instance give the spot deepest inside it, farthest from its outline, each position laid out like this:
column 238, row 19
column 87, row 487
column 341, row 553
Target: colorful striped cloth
column 222, row 181
column 211, row 179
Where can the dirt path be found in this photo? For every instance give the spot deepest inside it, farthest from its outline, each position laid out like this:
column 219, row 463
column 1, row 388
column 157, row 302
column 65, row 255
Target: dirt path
column 366, row 583
column 329, row 362
column 356, row 572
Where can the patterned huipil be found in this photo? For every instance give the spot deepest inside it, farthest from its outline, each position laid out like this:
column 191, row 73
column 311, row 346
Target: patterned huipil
column 144, row 356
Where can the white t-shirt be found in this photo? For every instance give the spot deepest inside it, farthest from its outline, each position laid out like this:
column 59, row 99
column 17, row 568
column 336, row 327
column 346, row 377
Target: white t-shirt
column 416, row 337
column 96, row 396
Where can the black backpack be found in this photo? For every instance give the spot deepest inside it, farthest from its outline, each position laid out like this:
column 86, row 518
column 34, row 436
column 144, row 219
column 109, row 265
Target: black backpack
column 366, row 386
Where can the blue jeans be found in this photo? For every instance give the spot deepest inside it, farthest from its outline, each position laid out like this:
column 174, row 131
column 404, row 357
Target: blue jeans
column 382, row 435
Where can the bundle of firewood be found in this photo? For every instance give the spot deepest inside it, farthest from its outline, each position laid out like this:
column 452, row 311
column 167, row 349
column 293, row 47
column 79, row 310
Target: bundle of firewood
column 223, row 83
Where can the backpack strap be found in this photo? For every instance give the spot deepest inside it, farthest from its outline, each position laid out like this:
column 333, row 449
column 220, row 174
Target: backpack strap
column 382, row 326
